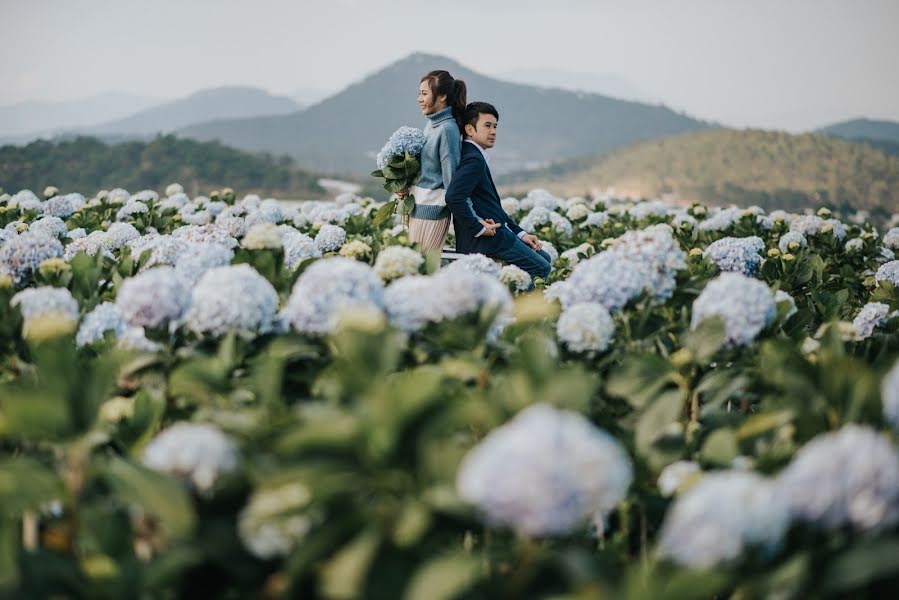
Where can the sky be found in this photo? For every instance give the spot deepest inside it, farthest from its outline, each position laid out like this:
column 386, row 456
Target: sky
column 790, row 64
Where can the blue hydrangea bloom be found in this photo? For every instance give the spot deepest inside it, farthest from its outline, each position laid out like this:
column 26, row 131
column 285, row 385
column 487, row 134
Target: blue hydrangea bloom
column 404, row 139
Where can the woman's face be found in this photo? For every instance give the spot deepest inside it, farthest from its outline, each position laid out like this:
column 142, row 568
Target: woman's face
column 426, row 100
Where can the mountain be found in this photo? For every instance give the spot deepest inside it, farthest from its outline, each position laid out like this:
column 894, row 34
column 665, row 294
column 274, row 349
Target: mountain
column 308, row 96
column 205, row 105
column 770, row 168
column 31, row 119
column 883, row 135
column 603, row 84
column 537, row 126
column 86, row 164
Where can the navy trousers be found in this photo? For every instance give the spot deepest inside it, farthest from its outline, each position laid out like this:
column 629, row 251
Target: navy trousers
column 536, row 263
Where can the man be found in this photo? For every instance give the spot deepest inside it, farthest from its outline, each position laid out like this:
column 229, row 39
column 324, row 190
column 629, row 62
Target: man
column 480, row 222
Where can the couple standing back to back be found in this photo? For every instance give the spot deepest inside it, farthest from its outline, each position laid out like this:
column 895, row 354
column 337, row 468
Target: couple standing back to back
column 456, row 181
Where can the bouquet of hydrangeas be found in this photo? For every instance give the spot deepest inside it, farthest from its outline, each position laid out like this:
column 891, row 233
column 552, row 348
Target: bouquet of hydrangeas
column 399, row 166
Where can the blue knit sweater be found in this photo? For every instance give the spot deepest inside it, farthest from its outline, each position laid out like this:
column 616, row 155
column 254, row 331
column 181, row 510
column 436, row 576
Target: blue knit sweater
column 439, row 159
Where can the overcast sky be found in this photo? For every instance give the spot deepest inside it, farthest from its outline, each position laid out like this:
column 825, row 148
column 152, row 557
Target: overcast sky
column 787, row 63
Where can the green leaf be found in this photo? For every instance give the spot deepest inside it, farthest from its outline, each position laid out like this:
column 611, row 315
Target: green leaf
column 705, row 341
column 639, row 379
column 161, row 496
column 378, row 173
column 666, row 410
column 863, row 564
column 759, row 424
column 384, row 213
column 25, row 484
column 408, row 204
column 720, row 448
column 344, row 575
column 444, row 578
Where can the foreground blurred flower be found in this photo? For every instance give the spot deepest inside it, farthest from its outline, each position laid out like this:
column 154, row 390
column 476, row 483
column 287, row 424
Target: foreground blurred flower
column 677, row 475
column 328, row 286
column 232, row 298
column 586, row 328
column 273, row 522
column 42, row 302
column 848, row 477
column 545, row 472
column 722, row 515
column 153, row 298
column 516, row 278
column 394, row 262
column 196, row 452
column 745, row 305
column 477, row 263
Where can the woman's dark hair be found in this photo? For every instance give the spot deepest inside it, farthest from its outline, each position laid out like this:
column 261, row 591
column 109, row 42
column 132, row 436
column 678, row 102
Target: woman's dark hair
column 473, row 111
column 443, row 84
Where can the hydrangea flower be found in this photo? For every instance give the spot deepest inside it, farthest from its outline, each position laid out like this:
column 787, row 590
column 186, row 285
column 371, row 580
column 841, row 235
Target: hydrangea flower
column 577, row 212
column 791, row 237
column 118, row 196
column 262, row 236
column 202, row 257
column 394, row 262
column 477, row 263
column 596, row 219
column 854, row 245
column 51, row 226
column 676, row 475
column 275, row 521
column 26, row 200
column 35, row 303
column 891, row 239
column 63, row 206
column 211, row 233
column 196, row 452
column 355, row 249
column 745, row 305
column 164, row 249
column 120, row 234
column 539, row 197
column 848, row 477
column 551, row 250
column 232, row 298
column 740, row 255
column 76, row 234
column 330, row 238
column 516, row 277
column 134, row 339
column 545, row 472
column 720, row 517
column 96, row 241
column 721, row 220
column 415, row 301
column 782, row 296
column 586, row 328
column 105, row 317
column 173, row 188
column 651, row 208
column 264, row 214
column 404, row 139
column 871, row 316
column 328, row 286
column 153, row 298
column 297, row 246
column 21, row 255
column 886, row 272
column 571, row 255
column 510, row 205
column 131, row 208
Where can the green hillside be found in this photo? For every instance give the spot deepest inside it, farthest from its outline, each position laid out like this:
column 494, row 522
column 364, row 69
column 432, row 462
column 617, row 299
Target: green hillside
column 87, row 164
column 769, row 168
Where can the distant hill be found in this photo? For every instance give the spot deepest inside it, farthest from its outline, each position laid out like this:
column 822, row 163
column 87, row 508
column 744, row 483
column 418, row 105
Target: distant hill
column 537, row 126
column 205, row 105
column 769, row 168
column 32, row 119
column 606, row 85
column 86, row 165
column 883, row 135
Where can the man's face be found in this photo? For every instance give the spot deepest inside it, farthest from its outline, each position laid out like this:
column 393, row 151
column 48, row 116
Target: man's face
column 484, row 133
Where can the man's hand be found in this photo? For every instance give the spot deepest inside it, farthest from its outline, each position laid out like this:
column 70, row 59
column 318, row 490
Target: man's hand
column 490, row 227
column 532, row 241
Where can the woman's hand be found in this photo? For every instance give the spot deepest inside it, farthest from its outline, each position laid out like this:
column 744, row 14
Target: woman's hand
column 402, row 193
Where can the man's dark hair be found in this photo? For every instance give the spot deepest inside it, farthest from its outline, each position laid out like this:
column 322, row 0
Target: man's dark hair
column 473, row 111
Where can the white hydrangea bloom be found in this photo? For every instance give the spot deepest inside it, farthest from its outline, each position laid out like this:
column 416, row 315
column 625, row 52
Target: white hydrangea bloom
column 196, row 452
column 891, row 239
column 745, row 305
column 355, row 249
column 330, row 238
column 586, row 328
column 134, row 339
column 680, row 219
column 871, row 316
column 516, row 277
column 791, row 237
column 264, row 214
column 154, row 297
column 35, row 303
column 721, row 219
column 200, row 258
column 848, row 477
column 77, row 233
column 297, row 246
column 144, row 196
column 545, row 472
column 164, row 249
column 854, row 245
column 26, row 200
column 596, row 219
column 510, row 205
column 394, row 262
column 21, row 255
column 51, row 226
column 274, row 522
column 262, row 236
column 211, row 233
column 131, row 208
column 718, row 519
column 232, row 298
column 477, row 263
column 577, row 212
column 540, row 198
column 96, row 241
column 551, row 250
column 120, row 234
column 886, row 272
column 118, row 196
column 105, row 317
column 677, row 474
column 328, row 286
column 173, row 188
column 63, row 206
column 740, row 255
column 537, row 216
column 651, row 208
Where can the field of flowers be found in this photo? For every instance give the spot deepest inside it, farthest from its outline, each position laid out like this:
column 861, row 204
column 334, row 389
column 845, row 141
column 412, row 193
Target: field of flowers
column 219, row 397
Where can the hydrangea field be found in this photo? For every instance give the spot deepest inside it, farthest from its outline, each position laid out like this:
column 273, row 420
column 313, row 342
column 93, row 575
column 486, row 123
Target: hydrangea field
column 225, row 397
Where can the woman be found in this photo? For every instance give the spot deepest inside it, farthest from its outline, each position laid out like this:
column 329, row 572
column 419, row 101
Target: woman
column 442, row 101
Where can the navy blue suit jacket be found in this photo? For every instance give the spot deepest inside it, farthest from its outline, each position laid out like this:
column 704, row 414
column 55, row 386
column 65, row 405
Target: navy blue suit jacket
column 472, row 180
